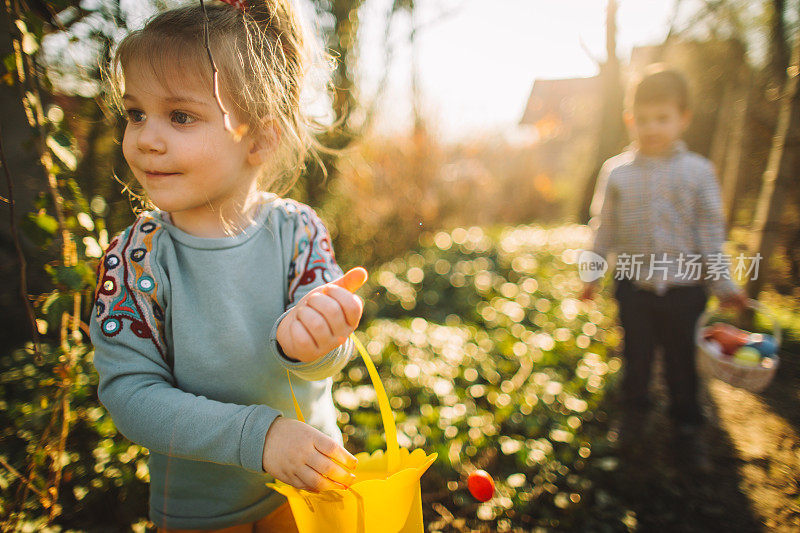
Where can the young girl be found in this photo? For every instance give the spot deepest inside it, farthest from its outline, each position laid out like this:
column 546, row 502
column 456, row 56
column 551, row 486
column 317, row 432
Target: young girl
column 204, row 303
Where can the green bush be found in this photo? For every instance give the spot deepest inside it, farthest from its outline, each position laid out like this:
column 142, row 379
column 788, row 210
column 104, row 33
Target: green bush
column 491, row 362
column 103, row 485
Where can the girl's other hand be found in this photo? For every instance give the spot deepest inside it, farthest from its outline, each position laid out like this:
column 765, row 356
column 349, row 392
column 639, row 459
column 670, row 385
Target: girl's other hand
column 306, row 458
column 323, row 318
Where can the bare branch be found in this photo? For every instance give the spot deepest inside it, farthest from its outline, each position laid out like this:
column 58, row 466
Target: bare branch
column 440, row 17
column 14, row 472
column 673, row 20
column 589, row 53
column 58, row 470
column 388, row 57
column 22, row 493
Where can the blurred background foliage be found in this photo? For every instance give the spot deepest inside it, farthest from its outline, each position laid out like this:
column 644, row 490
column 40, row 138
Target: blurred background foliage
column 492, row 363
column 471, row 313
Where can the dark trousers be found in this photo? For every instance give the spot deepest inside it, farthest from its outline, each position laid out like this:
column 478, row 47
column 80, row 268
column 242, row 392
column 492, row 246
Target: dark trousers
column 650, row 320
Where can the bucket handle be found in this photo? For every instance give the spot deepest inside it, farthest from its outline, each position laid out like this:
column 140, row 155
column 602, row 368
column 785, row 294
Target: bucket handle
column 387, row 417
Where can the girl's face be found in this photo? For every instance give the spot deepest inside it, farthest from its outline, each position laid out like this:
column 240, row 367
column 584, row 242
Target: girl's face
column 181, row 154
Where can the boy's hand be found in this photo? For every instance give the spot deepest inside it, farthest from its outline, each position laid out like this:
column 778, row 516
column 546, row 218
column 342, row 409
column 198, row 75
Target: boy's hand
column 306, row 458
column 737, row 300
column 323, row 318
column 589, row 290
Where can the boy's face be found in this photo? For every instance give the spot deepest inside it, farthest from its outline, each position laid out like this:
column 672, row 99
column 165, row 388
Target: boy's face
column 657, row 125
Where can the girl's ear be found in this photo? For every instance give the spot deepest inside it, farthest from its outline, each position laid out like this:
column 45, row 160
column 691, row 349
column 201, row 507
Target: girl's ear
column 262, row 144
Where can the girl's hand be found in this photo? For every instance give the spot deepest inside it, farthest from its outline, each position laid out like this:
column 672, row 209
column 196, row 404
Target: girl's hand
column 323, row 318
column 306, row 458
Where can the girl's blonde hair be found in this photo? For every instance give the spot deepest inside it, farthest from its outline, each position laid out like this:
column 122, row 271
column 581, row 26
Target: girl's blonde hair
column 265, row 62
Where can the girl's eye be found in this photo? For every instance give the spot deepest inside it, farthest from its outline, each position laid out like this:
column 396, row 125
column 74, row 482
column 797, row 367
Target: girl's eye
column 134, row 116
column 179, row 117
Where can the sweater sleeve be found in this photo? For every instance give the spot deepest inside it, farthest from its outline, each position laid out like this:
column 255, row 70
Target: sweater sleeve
column 710, row 233
column 603, row 212
column 133, row 361
column 311, row 263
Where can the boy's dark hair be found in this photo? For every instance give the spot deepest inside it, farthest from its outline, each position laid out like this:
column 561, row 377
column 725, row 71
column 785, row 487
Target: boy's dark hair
column 661, row 84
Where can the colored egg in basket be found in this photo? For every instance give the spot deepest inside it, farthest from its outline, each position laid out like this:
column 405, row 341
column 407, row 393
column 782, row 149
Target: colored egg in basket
column 743, row 348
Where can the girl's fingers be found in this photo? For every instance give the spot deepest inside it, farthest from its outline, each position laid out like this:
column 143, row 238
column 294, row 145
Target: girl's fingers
column 351, row 305
column 316, row 482
column 353, row 279
column 329, row 468
column 302, row 339
column 294, row 480
column 329, row 447
column 316, row 325
column 331, row 311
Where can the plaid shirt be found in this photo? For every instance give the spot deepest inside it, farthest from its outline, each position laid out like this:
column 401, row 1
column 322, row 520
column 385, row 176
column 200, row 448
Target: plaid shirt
column 662, row 217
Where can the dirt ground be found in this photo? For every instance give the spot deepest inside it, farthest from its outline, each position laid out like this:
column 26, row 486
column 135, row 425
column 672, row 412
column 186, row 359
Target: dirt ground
column 754, row 484
column 764, row 432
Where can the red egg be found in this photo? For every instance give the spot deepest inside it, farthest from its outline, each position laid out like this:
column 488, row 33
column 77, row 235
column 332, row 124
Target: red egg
column 729, row 337
column 481, row 485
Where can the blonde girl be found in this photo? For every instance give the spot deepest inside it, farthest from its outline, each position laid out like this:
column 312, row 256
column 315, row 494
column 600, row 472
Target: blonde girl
column 207, row 300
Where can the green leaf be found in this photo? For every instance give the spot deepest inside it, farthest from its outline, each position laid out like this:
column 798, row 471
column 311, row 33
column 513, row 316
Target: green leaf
column 39, row 228
column 88, row 273
column 45, row 222
column 73, row 277
column 54, row 306
column 10, row 63
column 29, row 44
column 63, row 153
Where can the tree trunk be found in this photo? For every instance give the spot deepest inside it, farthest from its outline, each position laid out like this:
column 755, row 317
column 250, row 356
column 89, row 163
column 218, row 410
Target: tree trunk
column 778, row 55
column 611, row 136
column 722, row 129
column 342, row 43
column 776, row 179
column 416, row 96
column 730, row 169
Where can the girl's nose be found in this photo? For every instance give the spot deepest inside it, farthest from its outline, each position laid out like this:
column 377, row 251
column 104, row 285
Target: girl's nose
column 150, row 139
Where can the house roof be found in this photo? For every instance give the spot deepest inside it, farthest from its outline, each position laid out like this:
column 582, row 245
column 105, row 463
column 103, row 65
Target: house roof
column 557, row 97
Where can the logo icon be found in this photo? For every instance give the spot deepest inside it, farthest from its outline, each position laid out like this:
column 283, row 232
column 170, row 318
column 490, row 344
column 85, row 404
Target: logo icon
column 591, row 266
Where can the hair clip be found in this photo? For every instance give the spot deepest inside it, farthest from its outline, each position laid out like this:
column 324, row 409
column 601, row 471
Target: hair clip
column 238, row 4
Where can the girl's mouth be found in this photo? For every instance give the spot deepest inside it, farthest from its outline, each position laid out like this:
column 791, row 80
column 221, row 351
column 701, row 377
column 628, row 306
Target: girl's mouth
column 152, row 174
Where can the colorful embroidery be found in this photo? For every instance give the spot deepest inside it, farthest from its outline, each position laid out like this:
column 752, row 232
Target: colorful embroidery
column 126, row 287
column 312, row 261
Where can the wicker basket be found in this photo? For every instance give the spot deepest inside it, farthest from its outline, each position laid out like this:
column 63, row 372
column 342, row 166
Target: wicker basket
column 713, row 363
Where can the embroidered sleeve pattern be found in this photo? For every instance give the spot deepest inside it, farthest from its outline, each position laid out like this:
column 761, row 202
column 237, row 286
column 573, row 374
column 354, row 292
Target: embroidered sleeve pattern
column 313, row 262
column 126, row 288
column 308, row 251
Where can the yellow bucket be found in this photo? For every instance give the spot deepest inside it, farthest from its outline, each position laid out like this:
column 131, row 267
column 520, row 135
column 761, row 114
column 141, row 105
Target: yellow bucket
column 385, row 498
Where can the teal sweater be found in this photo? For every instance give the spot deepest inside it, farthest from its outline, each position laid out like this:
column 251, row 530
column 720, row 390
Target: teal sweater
column 184, row 335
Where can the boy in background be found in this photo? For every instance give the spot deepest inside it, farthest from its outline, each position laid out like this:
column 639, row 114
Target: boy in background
column 657, row 207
